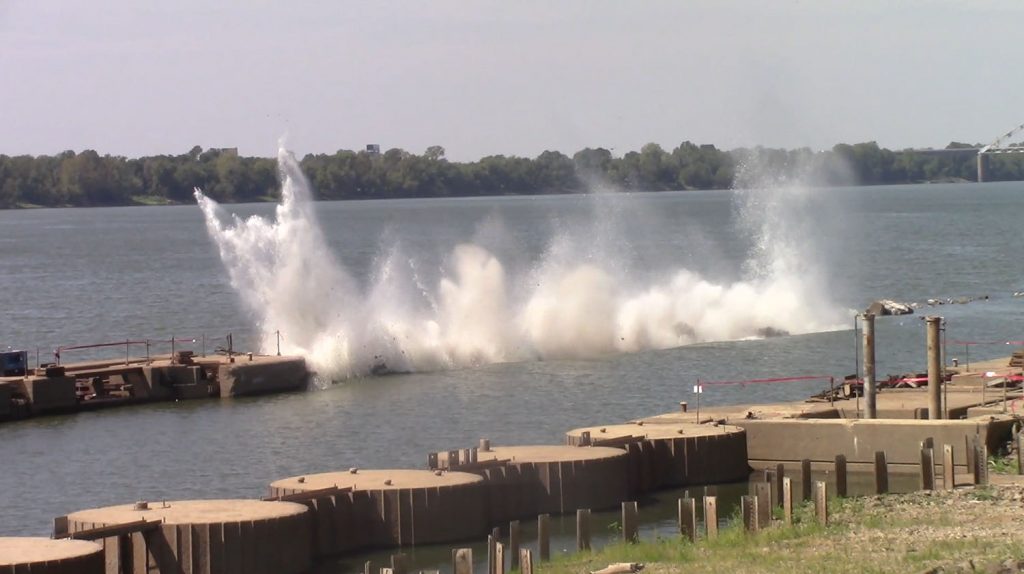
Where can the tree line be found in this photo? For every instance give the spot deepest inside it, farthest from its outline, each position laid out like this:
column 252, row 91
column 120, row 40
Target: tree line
column 90, row 179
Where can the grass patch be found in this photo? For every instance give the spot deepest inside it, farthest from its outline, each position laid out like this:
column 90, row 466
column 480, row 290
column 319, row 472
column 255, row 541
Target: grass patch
column 864, row 535
column 1003, row 464
column 151, row 200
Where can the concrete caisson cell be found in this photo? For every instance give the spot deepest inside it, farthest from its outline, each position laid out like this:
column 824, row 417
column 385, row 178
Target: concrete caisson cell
column 24, row 554
column 553, row 479
column 207, row 536
column 671, row 455
column 387, row 508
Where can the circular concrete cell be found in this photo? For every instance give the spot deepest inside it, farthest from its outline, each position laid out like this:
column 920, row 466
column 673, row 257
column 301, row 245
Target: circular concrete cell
column 673, row 454
column 360, row 479
column 24, row 554
column 215, row 535
column 390, row 507
column 524, row 481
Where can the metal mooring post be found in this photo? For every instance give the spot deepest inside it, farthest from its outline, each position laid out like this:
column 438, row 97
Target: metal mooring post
column 870, row 404
column 934, row 367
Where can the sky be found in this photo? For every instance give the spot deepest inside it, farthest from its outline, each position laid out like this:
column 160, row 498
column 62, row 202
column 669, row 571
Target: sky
column 144, row 77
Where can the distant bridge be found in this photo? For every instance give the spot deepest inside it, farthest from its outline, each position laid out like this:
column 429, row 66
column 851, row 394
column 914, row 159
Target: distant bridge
column 1000, row 145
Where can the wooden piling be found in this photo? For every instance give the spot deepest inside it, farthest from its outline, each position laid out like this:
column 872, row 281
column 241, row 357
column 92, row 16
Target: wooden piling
column 711, row 516
column 544, row 537
column 492, row 554
column 948, row 468
column 629, row 522
column 583, row 529
column 780, row 473
column 981, row 463
column 526, row 561
column 787, row 500
column 881, row 473
column 821, row 502
column 688, row 519
column 805, row 479
column 462, row 561
column 927, row 468
column 499, row 558
column 970, row 444
column 399, row 564
column 748, row 507
column 840, row 465
column 762, row 490
column 513, row 544
column 368, row 566
column 1020, row 453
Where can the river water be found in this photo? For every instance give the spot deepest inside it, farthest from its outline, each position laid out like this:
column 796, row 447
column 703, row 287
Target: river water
column 77, row 276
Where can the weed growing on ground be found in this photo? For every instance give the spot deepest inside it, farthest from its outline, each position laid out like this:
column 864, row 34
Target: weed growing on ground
column 1003, row 464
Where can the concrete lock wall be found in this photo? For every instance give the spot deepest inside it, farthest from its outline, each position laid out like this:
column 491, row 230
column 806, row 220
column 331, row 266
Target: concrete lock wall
column 820, row 440
column 5, row 400
column 48, row 394
column 169, row 382
column 267, row 375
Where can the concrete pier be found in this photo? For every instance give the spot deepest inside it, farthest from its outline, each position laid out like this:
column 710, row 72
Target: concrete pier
column 102, row 384
column 669, row 455
column 28, row 555
column 385, row 508
column 205, row 536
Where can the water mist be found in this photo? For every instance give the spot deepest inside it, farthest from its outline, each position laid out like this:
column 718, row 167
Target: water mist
column 569, row 304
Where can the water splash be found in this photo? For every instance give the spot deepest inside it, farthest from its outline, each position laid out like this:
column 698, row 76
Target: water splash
column 571, row 303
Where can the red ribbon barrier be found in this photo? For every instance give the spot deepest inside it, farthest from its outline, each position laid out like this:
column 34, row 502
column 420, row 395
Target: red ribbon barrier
column 1020, row 343
column 774, row 380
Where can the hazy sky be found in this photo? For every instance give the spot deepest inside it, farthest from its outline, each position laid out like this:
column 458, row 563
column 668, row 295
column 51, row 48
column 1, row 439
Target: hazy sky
column 138, row 77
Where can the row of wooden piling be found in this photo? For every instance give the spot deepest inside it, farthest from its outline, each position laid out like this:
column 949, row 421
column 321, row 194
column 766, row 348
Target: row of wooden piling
column 773, row 489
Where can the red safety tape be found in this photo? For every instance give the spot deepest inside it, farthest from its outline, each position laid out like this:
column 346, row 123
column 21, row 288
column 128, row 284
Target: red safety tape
column 98, row 345
column 987, row 342
column 123, row 343
column 775, row 380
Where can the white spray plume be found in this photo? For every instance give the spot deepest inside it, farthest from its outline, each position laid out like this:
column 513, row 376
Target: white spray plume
column 574, row 307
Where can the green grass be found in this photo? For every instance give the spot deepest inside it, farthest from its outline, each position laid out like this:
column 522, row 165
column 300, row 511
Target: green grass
column 151, row 200
column 806, row 546
column 1003, row 464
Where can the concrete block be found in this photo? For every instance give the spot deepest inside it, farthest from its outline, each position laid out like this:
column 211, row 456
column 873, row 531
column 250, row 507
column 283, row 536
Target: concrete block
column 6, row 391
column 820, row 440
column 266, row 375
column 50, row 394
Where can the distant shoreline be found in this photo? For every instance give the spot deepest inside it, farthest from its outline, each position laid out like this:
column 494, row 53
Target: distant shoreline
column 88, row 179
column 273, row 200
